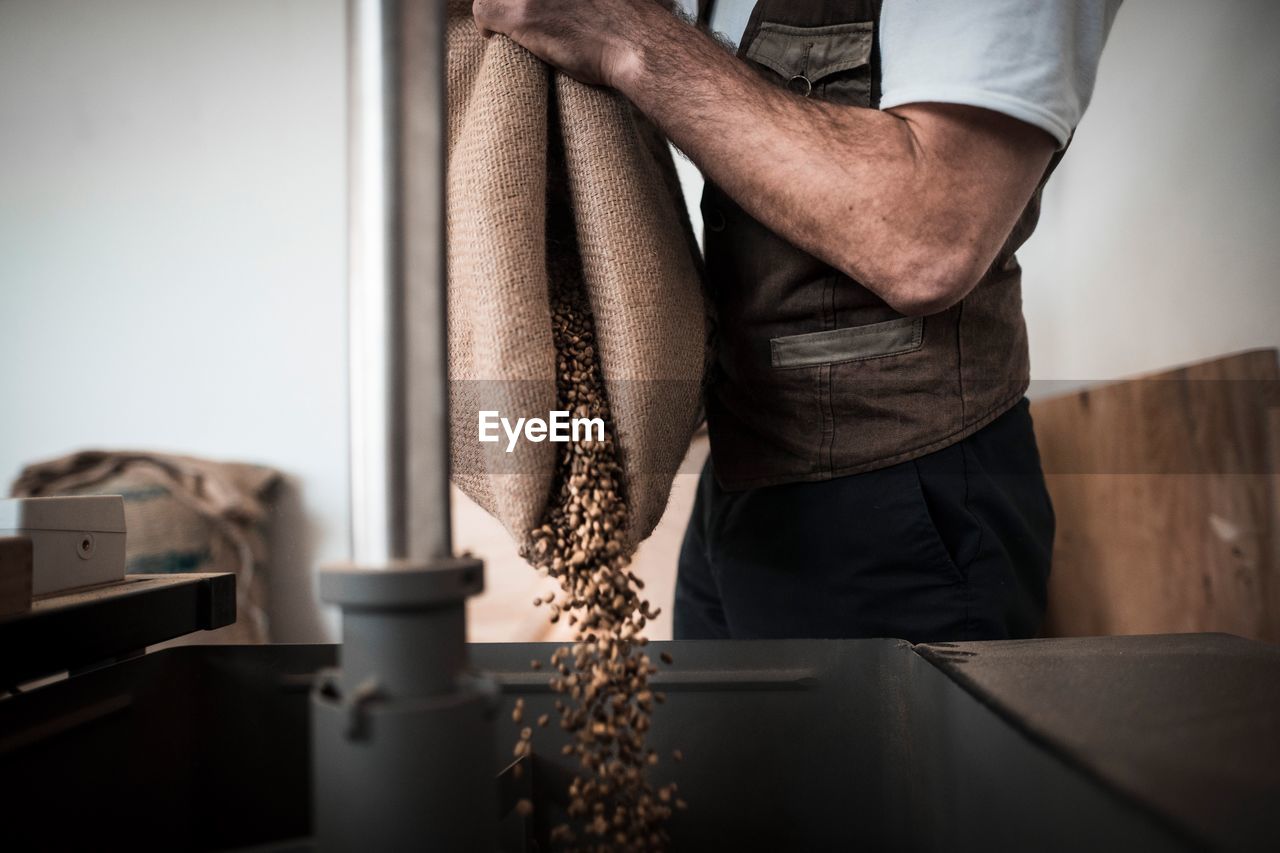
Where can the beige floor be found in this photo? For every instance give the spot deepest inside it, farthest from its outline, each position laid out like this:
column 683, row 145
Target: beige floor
column 505, row 612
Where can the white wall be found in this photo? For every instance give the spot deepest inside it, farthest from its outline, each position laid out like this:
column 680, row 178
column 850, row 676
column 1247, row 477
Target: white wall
column 172, row 241
column 171, row 231
column 1160, row 239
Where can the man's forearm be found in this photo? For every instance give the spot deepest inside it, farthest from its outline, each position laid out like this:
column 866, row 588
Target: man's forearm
column 914, row 203
column 858, row 188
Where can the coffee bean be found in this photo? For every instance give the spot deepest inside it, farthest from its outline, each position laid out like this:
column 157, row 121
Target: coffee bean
column 580, row 544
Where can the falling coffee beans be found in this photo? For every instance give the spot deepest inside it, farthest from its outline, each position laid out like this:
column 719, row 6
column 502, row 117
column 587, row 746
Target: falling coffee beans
column 603, row 678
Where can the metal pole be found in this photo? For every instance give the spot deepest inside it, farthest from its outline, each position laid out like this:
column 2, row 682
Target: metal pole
column 402, row 733
column 398, row 361
column 425, row 320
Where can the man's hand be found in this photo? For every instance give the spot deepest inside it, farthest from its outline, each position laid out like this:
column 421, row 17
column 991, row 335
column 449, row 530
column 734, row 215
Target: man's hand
column 595, row 41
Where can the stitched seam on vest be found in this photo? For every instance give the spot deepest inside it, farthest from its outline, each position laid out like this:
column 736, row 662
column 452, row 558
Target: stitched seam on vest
column 831, row 414
column 825, row 460
column 875, row 465
column 960, row 357
column 946, row 441
column 820, row 31
column 850, row 344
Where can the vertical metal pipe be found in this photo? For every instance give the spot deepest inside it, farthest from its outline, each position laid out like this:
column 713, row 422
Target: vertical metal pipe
column 398, row 362
column 403, row 732
column 378, row 448
column 424, row 324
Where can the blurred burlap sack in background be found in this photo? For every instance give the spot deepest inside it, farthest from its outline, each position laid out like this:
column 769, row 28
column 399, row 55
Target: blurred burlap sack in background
column 550, row 177
column 182, row 515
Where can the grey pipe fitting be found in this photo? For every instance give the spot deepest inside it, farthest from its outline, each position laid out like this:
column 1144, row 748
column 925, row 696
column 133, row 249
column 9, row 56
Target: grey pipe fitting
column 403, row 738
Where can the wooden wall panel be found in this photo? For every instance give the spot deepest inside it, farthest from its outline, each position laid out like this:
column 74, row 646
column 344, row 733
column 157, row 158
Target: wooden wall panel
column 1168, row 501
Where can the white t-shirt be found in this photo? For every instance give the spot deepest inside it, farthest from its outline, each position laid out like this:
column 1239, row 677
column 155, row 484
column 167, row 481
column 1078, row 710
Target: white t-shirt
column 1034, row 60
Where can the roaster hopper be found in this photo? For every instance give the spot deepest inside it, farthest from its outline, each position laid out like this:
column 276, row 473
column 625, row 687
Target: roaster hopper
column 1142, row 743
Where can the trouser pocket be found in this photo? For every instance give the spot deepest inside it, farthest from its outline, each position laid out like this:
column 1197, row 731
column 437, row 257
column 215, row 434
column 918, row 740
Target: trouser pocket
column 942, row 485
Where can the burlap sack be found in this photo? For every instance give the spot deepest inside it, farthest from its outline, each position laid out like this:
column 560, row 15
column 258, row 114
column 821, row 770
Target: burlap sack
column 512, row 123
column 182, row 515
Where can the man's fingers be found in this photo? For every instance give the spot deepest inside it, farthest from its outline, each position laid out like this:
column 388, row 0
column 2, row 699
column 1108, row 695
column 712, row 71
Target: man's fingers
column 490, row 15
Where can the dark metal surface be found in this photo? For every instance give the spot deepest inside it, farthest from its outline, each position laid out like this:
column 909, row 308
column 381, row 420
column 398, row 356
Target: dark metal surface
column 191, row 748
column 813, row 745
column 794, row 745
column 780, row 740
column 1187, row 726
column 972, row 782
column 83, row 628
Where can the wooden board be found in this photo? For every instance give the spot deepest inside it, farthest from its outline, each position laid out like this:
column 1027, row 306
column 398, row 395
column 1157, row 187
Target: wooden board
column 1168, row 501
column 15, row 574
column 83, row 628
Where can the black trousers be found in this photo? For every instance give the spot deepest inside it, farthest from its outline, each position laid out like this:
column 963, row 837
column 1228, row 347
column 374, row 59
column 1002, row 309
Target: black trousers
column 951, row 546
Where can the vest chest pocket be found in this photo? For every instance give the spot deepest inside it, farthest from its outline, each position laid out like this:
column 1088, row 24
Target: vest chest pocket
column 831, row 63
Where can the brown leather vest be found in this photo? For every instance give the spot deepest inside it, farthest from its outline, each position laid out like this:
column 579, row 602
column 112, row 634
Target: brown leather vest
column 815, row 376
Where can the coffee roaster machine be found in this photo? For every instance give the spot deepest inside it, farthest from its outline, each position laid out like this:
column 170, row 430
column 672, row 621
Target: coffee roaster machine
column 1134, row 743
column 399, row 737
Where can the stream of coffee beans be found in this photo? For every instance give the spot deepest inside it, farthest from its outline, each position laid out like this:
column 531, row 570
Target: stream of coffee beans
column 605, row 700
